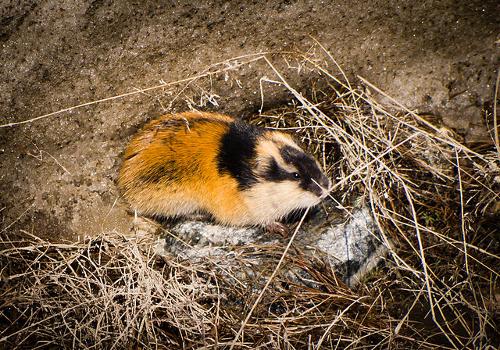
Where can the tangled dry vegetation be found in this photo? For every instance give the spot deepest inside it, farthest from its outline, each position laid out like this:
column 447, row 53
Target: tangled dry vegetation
column 435, row 201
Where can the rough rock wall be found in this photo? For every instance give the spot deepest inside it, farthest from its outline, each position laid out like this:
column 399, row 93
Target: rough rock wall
column 57, row 174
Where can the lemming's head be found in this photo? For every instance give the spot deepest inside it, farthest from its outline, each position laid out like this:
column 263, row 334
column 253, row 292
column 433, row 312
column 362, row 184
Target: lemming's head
column 282, row 163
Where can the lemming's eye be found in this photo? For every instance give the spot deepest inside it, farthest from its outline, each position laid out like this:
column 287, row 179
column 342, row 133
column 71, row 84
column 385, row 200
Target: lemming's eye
column 296, row 175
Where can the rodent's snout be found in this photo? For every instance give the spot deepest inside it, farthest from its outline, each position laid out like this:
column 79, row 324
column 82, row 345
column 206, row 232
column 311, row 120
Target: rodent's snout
column 321, row 187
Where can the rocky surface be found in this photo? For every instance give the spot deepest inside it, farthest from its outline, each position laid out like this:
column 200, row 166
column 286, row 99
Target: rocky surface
column 57, row 174
column 348, row 241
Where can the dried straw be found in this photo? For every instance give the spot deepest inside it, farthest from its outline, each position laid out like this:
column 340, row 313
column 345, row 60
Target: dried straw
column 434, row 199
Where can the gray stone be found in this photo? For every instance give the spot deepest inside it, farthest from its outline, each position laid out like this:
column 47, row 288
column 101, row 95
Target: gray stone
column 349, row 243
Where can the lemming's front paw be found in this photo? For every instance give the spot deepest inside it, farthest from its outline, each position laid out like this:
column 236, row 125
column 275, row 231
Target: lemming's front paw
column 278, row 228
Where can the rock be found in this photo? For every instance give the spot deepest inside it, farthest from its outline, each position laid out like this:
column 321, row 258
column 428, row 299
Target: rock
column 349, row 244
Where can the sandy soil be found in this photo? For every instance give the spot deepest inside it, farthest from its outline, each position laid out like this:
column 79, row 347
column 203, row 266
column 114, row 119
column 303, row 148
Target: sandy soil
column 57, row 174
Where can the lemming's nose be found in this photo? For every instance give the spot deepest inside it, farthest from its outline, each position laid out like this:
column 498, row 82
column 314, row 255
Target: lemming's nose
column 325, row 182
column 321, row 186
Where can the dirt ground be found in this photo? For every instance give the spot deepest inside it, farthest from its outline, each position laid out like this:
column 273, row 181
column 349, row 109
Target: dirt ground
column 58, row 173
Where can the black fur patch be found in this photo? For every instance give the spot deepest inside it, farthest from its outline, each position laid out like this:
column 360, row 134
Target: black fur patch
column 237, row 150
column 275, row 173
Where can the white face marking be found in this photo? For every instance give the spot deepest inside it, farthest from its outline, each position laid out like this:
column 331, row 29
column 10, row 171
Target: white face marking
column 271, row 201
column 284, row 139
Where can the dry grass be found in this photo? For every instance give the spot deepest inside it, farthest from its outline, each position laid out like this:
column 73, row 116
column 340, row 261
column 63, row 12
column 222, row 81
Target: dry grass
column 434, row 199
